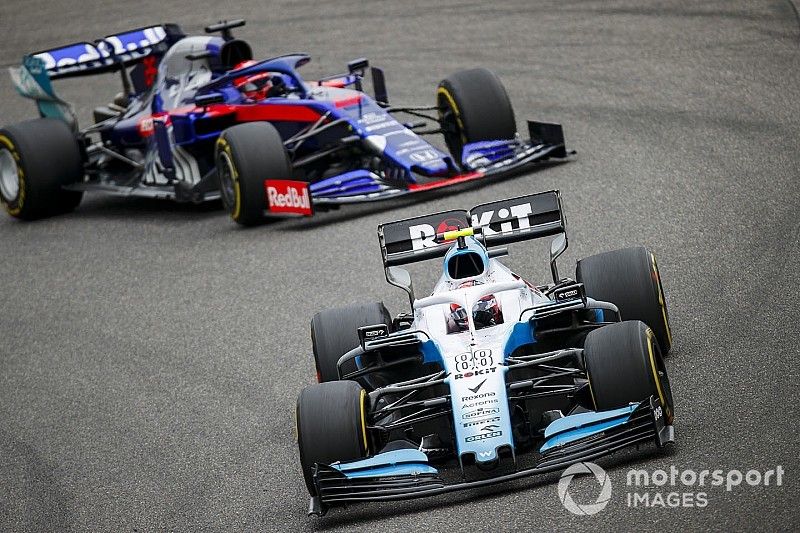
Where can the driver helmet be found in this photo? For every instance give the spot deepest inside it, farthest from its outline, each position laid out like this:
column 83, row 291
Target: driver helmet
column 254, row 87
column 457, row 321
column 486, row 312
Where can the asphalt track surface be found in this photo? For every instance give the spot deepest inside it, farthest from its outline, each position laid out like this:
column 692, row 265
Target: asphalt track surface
column 151, row 354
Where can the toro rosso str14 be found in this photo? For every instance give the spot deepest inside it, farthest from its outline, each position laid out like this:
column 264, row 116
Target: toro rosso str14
column 198, row 118
column 490, row 378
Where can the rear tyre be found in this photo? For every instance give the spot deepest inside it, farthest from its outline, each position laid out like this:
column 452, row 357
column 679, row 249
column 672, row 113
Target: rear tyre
column 37, row 159
column 331, row 425
column 630, row 280
column 334, row 332
column 624, row 365
column 246, row 155
column 474, row 106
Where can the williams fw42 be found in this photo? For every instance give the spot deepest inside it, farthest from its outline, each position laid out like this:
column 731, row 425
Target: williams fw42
column 198, row 119
column 490, row 378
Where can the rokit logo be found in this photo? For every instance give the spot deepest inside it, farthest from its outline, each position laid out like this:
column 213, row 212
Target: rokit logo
column 520, row 213
column 286, row 196
column 423, row 235
column 480, row 372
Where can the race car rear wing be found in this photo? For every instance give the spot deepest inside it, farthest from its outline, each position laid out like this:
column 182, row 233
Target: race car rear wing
column 109, row 54
column 498, row 223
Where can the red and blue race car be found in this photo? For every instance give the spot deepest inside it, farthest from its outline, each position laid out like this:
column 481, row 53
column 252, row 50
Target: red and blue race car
column 199, row 119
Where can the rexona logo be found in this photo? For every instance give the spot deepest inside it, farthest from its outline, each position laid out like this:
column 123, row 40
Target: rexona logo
column 476, row 396
column 287, row 196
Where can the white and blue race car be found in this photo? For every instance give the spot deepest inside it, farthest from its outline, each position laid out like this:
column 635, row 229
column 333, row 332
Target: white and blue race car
column 490, row 378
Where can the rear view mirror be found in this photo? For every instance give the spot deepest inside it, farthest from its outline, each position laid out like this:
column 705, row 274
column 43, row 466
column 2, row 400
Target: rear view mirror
column 557, row 247
column 202, row 100
column 400, row 277
column 357, row 65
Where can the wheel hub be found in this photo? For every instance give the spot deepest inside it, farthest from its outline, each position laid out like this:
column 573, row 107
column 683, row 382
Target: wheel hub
column 225, row 170
column 9, row 176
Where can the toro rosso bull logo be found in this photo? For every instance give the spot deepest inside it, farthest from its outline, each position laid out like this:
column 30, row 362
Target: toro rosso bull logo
column 287, row 196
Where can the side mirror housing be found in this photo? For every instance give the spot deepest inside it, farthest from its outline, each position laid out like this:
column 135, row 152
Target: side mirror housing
column 357, row 65
column 400, row 277
column 557, row 247
column 203, row 100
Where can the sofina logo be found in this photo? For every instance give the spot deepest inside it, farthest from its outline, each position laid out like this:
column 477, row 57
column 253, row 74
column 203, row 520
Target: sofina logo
column 587, row 508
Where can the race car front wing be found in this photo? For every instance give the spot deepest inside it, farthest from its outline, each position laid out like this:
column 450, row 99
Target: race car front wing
column 406, row 474
column 482, row 161
column 490, row 160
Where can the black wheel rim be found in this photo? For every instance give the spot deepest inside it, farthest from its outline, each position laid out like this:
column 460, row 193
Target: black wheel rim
column 9, row 176
column 450, row 129
column 226, row 185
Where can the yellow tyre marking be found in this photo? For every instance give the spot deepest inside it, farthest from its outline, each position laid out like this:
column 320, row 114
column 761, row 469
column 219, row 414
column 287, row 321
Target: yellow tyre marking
column 223, row 145
column 364, row 418
column 654, row 369
column 661, row 301
column 14, row 211
column 449, row 97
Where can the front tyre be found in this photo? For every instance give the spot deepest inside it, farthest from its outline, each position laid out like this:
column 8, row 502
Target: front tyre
column 474, row 106
column 37, row 159
column 629, row 279
column 246, row 155
column 624, row 365
column 331, row 425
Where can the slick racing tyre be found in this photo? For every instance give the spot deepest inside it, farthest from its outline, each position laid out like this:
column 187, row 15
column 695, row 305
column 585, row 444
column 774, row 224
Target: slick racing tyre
column 37, row 158
column 334, row 332
column 331, row 425
column 474, row 106
column 630, row 280
column 624, row 365
column 246, row 155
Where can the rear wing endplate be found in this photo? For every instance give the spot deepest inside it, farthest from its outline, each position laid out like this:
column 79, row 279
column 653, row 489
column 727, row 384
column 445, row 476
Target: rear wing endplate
column 111, row 53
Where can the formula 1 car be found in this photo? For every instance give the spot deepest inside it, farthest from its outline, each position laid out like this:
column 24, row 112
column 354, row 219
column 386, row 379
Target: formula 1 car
column 199, row 118
column 490, row 374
